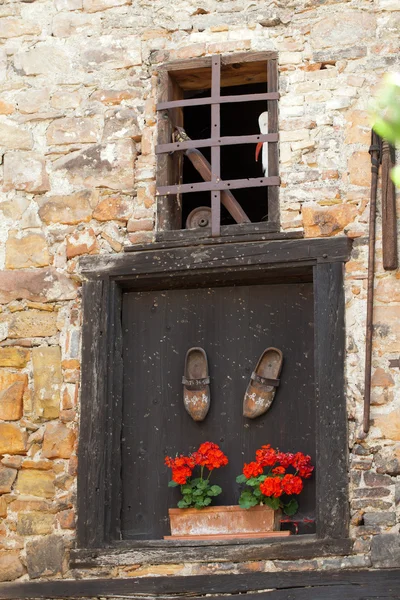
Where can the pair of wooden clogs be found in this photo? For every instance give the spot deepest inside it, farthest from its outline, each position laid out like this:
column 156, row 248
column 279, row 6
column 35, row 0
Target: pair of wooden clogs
column 259, row 394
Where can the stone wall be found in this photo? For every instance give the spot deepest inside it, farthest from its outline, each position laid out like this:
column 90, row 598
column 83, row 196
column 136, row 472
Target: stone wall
column 77, row 126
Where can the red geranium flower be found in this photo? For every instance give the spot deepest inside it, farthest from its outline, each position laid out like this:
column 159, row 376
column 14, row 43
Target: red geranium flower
column 291, row 484
column 272, row 486
column 210, row 455
column 278, row 470
column 252, row 469
column 182, row 468
column 266, row 456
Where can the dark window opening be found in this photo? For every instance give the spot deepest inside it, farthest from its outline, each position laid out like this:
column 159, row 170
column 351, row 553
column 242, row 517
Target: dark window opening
column 208, row 116
column 237, row 162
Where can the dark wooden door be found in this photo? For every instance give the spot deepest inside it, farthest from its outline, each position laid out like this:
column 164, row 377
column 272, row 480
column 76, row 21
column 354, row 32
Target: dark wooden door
column 234, row 325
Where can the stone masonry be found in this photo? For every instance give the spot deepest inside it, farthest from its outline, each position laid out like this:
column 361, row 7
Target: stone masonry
column 77, row 129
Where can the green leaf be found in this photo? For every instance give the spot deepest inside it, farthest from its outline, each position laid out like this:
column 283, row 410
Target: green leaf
column 183, row 504
column 257, row 493
column 253, row 481
column 247, row 499
column 207, row 501
column 395, row 174
column 172, row 484
column 214, row 490
column 241, row 479
column 273, row 503
column 291, row 507
column 203, row 484
column 198, row 492
column 195, row 481
column 186, row 489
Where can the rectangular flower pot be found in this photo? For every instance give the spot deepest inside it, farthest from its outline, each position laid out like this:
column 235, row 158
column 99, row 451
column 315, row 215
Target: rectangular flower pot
column 226, row 521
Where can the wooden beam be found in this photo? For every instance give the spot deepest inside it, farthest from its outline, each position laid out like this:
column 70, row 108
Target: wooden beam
column 218, row 256
column 304, row 585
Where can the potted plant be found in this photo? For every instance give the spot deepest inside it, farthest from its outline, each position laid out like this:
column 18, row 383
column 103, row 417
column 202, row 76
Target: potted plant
column 194, row 515
column 273, row 491
column 196, row 519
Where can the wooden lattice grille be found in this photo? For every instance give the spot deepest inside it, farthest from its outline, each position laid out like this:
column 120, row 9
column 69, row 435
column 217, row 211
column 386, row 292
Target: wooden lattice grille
column 171, row 116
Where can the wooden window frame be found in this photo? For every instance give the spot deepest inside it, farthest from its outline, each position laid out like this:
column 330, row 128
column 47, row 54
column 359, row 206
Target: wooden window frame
column 162, row 266
column 169, row 114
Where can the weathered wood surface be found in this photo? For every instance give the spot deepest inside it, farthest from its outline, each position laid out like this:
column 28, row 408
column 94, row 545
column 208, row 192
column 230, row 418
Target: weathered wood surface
column 236, row 233
column 273, row 152
column 219, row 256
column 331, row 403
column 317, row 585
column 92, row 446
column 158, row 328
column 291, row 548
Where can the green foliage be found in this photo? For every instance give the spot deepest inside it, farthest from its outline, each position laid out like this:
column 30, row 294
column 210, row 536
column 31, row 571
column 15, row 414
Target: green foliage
column 253, row 496
column 386, row 115
column 197, row 493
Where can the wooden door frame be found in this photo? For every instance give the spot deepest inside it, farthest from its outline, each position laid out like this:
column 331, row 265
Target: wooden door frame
column 158, row 267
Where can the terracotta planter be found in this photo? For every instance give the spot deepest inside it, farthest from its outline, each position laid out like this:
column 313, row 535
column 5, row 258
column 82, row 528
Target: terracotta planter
column 225, row 522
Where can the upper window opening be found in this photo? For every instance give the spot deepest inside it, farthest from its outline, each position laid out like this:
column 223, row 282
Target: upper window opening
column 217, row 144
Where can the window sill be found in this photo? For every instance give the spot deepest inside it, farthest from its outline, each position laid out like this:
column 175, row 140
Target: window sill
column 125, row 553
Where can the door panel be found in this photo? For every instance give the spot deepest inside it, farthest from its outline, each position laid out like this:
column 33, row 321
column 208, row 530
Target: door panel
column 234, row 325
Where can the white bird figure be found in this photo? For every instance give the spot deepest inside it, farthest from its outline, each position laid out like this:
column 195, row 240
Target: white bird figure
column 263, row 123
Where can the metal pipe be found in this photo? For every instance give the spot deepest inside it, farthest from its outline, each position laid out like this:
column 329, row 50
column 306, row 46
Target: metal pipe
column 376, row 153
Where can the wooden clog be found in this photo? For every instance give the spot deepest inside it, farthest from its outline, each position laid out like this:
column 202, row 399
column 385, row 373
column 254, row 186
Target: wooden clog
column 196, row 384
column 263, row 383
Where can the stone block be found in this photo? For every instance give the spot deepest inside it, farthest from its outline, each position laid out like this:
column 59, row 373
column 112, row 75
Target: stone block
column 66, row 519
column 67, row 24
column 68, row 4
column 387, row 464
column 44, row 59
column 14, row 357
column 34, row 482
column 385, row 551
column 47, row 379
column 98, row 5
column 25, row 171
column 33, row 100
column 388, row 290
column 12, row 439
column 26, row 250
column 35, row 523
column 140, row 225
column 359, row 167
column 380, row 519
column 82, row 242
column 30, row 323
column 44, row 285
column 375, row 492
column 14, row 137
column 389, row 424
column 343, row 28
column 381, row 378
column 58, row 442
column 109, row 52
column 7, row 478
column 113, row 208
column 376, row 479
column 13, row 387
column 64, row 99
column 103, row 165
column 3, row 510
column 74, row 130
column 358, row 129
column 69, row 209
column 6, row 108
column 45, row 556
column 328, row 220
column 10, row 566
column 121, row 123
column 112, row 97
column 13, row 27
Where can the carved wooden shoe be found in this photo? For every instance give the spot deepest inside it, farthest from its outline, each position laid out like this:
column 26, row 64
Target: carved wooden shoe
column 263, row 383
column 196, row 384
